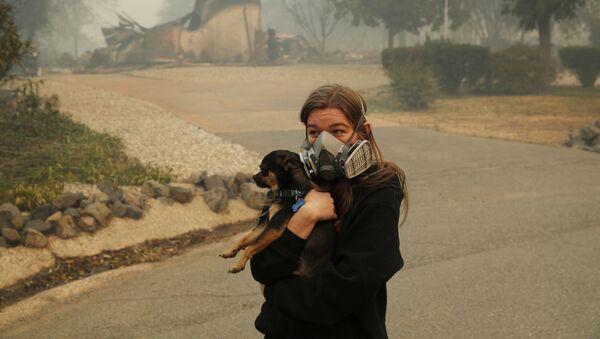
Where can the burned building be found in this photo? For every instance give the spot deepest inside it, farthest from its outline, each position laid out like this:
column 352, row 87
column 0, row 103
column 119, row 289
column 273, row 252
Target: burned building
column 215, row 31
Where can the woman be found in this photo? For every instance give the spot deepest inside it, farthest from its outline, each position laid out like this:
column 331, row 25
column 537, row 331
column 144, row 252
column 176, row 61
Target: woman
column 347, row 298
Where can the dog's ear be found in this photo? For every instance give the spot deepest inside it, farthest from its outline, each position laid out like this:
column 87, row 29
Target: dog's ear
column 291, row 163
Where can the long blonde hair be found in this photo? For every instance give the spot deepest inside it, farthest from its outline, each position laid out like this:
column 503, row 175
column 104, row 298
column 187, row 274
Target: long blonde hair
column 354, row 106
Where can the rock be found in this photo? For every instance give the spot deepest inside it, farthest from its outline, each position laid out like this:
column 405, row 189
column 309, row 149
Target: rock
column 196, row 178
column 597, row 124
column 73, row 213
column 570, row 138
column 116, row 195
column 180, row 194
column 216, row 199
column 589, row 134
column 232, row 187
column 134, row 197
column 40, row 226
column 154, row 189
column 201, row 178
column 5, row 222
column 241, row 178
column 33, row 238
column 3, row 243
column 99, row 212
column 86, row 202
column 233, row 192
column 230, row 182
column 113, row 192
column 42, row 212
column 101, row 197
column 134, row 212
column 106, row 186
column 87, row 224
column 253, row 196
column 66, row 200
column 54, row 217
column 119, row 209
column 11, row 214
column 214, row 181
column 11, row 236
column 66, row 228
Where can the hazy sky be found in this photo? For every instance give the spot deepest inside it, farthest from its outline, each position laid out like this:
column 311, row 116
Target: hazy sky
column 143, row 11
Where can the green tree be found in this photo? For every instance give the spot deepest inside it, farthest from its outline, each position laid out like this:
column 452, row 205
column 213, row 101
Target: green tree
column 494, row 29
column 57, row 17
column 540, row 15
column 12, row 48
column 32, row 17
column 403, row 15
column 587, row 20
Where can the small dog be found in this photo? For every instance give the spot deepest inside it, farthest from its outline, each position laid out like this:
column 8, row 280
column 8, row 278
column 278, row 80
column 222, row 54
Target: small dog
column 283, row 173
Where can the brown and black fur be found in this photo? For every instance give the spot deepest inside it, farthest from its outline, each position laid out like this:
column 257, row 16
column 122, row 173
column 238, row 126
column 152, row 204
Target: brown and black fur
column 283, row 170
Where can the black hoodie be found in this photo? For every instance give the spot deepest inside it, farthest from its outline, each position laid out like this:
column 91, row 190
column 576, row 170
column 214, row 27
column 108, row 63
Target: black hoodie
column 348, row 298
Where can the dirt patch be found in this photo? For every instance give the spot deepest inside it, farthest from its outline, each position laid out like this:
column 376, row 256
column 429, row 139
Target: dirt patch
column 66, row 270
column 539, row 119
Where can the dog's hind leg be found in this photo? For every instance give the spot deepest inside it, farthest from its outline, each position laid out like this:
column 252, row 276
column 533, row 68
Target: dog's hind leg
column 259, row 229
column 244, row 242
column 266, row 239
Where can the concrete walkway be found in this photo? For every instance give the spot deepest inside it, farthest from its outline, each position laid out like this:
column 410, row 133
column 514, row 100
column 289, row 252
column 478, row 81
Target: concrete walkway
column 502, row 241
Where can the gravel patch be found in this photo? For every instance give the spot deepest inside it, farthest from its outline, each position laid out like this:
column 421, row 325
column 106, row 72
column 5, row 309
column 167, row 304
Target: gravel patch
column 20, row 262
column 152, row 134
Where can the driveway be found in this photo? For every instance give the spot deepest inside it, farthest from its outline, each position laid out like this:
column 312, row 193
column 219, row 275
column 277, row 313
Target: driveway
column 502, row 239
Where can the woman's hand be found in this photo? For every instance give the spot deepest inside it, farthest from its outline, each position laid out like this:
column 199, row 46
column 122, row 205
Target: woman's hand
column 317, row 206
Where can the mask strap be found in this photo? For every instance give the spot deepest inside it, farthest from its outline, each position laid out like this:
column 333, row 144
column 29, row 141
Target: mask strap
column 360, row 122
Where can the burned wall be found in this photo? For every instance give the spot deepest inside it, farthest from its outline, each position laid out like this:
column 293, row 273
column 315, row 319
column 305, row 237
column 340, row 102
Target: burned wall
column 226, row 36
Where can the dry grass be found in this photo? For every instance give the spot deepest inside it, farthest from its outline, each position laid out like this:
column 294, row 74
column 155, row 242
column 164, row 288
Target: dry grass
column 540, row 119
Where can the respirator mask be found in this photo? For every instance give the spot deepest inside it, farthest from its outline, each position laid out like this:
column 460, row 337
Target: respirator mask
column 329, row 159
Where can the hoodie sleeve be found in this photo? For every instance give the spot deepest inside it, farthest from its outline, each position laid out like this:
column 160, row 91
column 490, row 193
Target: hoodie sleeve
column 367, row 259
column 278, row 260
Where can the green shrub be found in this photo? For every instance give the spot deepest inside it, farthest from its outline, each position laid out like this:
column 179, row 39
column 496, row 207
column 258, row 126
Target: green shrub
column 42, row 148
column 414, row 84
column 595, row 32
column 453, row 65
column 516, row 70
column 584, row 61
column 391, row 57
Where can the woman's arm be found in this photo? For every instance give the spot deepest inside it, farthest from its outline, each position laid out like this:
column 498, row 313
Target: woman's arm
column 281, row 258
column 368, row 258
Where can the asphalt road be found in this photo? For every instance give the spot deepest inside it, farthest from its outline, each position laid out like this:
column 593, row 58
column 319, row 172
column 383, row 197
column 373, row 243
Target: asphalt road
column 502, row 241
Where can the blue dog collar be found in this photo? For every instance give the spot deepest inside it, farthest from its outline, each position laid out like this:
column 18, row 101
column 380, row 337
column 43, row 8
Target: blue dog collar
column 297, row 205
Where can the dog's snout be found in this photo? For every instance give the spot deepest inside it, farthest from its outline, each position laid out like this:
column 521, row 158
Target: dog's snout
column 258, row 180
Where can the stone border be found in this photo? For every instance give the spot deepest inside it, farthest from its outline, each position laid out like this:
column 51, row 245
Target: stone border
column 72, row 213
